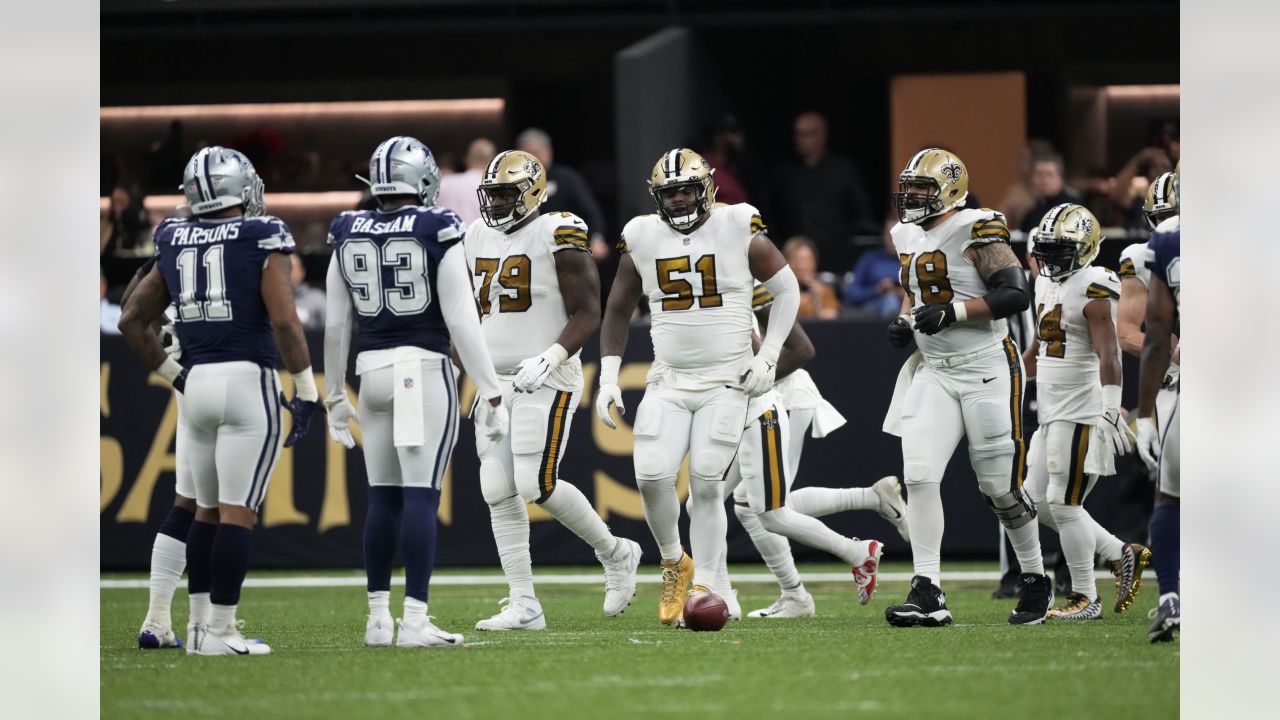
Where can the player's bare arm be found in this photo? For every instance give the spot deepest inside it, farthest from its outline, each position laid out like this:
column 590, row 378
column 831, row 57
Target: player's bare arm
column 797, row 349
column 1029, row 357
column 999, row 268
column 623, row 296
column 277, row 296
column 1102, row 332
column 144, row 306
column 1156, row 347
column 580, row 287
column 1130, row 315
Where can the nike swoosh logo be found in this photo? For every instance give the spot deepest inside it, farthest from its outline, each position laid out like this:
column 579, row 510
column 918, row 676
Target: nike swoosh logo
column 987, row 380
column 240, row 652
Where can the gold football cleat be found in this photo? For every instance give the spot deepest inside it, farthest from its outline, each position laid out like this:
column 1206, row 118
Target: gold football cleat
column 676, row 577
column 1128, row 571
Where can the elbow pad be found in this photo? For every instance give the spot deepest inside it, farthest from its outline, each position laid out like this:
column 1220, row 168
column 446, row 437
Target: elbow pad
column 1009, row 293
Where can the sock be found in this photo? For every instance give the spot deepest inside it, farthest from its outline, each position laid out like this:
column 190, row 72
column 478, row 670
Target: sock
column 662, row 514
column 200, row 606
column 379, row 602
column 199, row 573
column 222, row 616
column 1108, row 546
column 510, row 520
column 381, row 533
column 1165, row 596
column 773, row 549
column 1165, row 546
column 708, row 528
column 1076, row 530
column 230, row 563
column 415, row 610
column 810, row 531
column 571, row 508
column 819, row 501
column 924, row 516
column 1026, row 546
column 418, row 540
column 168, row 560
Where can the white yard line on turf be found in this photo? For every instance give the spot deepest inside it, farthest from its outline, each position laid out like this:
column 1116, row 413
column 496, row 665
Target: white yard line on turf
column 586, row 579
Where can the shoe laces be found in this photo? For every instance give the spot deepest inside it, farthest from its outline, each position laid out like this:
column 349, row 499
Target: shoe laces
column 670, row 579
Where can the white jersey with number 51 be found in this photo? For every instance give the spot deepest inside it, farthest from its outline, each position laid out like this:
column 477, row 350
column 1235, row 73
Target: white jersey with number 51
column 936, row 271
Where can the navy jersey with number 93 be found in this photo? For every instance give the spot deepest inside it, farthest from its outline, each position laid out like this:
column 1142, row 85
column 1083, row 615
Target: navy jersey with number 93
column 389, row 260
column 213, row 269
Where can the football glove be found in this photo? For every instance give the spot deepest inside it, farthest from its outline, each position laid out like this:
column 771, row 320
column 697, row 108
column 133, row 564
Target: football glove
column 609, row 394
column 933, row 319
column 900, row 332
column 1149, row 442
column 301, row 410
column 532, row 372
column 340, row 414
column 169, row 339
column 491, row 419
column 1113, row 429
column 180, row 382
column 758, row 379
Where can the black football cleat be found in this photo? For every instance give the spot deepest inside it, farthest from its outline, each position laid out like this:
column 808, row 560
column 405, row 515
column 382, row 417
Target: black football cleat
column 1168, row 618
column 926, row 606
column 1034, row 601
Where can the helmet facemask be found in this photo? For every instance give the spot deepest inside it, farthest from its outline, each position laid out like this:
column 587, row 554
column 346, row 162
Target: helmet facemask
column 1058, row 257
column 502, row 204
column 917, row 199
column 679, row 207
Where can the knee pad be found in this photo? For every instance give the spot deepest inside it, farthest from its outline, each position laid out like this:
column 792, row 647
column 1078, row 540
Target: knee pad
column 996, row 473
column 1013, row 509
column 705, row 490
column 652, row 459
column 994, row 431
column 495, row 486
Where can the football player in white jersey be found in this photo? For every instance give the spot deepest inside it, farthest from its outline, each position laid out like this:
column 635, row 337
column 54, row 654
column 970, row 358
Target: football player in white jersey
column 696, row 264
column 966, row 380
column 1135, row 277
column 539, row 297
column 1082, row 427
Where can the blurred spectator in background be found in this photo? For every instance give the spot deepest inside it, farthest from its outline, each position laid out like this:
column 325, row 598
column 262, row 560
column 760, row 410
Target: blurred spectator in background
column 309, row 300
column 163, row 155
column 875, row 286
column 1130, row 186
column 108, row 312
column 566, row 190
column 820, row 195
column 817, row 299
column 724, row 152
column 124, row 230
column 1019, row 197
column 1049, row 186
column 458, row 191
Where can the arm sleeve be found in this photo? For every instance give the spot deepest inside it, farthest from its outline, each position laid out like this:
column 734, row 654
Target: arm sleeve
column 339, row 313
column 782, row 316
column 460, row 314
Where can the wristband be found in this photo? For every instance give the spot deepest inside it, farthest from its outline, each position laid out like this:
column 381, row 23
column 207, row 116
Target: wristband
column 961, row 314
column 556, row 354
column 169, row 369
column 609, row 367
column 1110, row 397
column 304, row 385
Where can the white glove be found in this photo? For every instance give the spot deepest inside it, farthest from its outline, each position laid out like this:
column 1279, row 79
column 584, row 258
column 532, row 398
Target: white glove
column 340, row 414
column 491, row 419
column 758, row 379
column 1149, row 442
column 1113, row 429
column 169, row 338
column 1170, row 376
column 610, row 393
column 534, row 371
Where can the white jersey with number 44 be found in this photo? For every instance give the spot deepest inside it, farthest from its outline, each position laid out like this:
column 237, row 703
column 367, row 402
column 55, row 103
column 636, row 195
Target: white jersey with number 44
column 518, row 290
column 699, row 288
column 1067, row 364
column 936, row 271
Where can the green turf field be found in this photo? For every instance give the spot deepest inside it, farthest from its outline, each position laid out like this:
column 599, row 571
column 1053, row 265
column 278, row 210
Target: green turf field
column 845, row 663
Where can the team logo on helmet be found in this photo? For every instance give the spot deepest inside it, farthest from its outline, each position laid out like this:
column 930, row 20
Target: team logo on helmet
column 952, row 171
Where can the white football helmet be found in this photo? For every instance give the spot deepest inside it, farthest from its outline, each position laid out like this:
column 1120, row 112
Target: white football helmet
column 217, row 178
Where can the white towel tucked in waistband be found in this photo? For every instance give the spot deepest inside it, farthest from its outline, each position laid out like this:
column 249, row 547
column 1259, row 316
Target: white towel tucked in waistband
column 826, row 419
column 893, row 418
column 407, row 424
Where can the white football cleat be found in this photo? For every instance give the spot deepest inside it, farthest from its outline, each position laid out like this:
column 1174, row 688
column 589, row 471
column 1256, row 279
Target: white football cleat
column 379, row 630
column 620, row 576
column 787, row 606
column 154, row 636
column 425, row 634
column 892, row 507
column 205, row 640
column 731, row 603
column 518, row 613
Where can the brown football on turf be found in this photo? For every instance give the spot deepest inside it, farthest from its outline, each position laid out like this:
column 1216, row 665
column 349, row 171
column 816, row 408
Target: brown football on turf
column 705, row 611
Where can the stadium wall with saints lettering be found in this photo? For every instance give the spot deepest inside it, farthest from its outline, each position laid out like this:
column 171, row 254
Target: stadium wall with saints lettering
column 314, row 509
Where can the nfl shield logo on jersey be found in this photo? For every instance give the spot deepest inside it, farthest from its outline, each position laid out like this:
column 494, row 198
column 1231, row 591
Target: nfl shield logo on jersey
column 408, row 383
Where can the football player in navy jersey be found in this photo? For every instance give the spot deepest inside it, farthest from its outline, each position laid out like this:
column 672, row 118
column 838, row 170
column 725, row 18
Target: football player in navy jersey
column 399, row 275
column 1159, row 446
column 227, row 271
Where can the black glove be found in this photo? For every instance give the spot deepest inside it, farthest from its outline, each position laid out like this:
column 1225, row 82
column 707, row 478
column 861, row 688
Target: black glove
column 931, row 319
column 301, row 410
column 900, row 332
column 180, row 382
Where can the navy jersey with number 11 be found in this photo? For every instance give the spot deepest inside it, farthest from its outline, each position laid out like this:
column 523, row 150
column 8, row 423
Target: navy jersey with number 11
column 213, row 269
column 389, row 261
